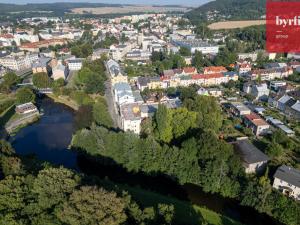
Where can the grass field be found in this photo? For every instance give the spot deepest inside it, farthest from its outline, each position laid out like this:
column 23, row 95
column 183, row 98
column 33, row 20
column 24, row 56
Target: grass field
column 235, row 24
column 185, row 213
column 128, row 9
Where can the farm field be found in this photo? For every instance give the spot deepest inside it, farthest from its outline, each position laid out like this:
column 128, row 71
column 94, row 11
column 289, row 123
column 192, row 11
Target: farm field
column 129, row 9
column 235, row 24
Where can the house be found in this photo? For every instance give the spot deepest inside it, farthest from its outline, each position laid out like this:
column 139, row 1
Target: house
column 244, row 68
column 214, row 69
column 41, row 65
column 98, row 53
column 123, row 93
column 287, row 181
column 280, row 125
column 239, row 109
column 74, row 64
column 275, row 85
column 281, row 103
column 59, row 71
column 142, row 83
column 26, row 108
column 256, row 124
column 253, row 160
column 244, row 56
column 295, row 110
column 260, row 91
column 130, row 116
column 196, row 45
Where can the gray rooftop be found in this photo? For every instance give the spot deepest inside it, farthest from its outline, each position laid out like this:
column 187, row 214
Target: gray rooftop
column 249, row 153
column 288, row 174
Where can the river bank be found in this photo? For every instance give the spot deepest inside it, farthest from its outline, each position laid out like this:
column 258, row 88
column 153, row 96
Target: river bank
column 50, row 137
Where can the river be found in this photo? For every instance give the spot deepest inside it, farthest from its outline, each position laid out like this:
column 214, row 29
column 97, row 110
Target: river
column 50, row 137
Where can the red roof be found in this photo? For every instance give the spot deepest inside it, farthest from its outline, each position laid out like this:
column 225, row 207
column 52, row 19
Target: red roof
column 215, row 69
column 189, row 69
column 7, row 36
column 252, row 116
column 207, row 76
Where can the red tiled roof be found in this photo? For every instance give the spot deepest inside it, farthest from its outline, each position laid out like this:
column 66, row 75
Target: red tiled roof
column 207, row 76
column 215, row 69
column 7, row 36
column 189, row 69
column 256, row 120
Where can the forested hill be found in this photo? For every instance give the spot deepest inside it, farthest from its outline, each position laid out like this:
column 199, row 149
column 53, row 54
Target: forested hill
column 228, row 9
column 58, row 8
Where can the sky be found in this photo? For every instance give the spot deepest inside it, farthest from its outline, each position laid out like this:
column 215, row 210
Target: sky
column 160, row 2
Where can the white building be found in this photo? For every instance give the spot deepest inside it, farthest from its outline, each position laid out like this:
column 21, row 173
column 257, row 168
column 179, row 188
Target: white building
column 123, row 94
column 287, row 180
column 253, row 160
column 131, row 118
column 197, row 45
column 26, row 108
column 17, row 63
column 74, row 64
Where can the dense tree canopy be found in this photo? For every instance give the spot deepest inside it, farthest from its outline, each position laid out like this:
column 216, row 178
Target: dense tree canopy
column 24, row 95
column 41, row 80
column 9, row 80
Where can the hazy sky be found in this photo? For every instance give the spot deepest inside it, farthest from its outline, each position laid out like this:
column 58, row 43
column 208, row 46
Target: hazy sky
column 161, row 2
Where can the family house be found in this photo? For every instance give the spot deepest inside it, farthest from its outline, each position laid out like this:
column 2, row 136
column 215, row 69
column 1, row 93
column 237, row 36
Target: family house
column 253, row 160
column 287, row 180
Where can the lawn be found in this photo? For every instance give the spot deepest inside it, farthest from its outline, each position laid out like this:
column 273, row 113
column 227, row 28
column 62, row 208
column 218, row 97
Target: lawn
column 185, row 213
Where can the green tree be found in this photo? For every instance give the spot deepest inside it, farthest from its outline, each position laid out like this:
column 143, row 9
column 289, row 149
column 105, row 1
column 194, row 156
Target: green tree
column 41, row 80
column 92, row 205
column 184, row 51
column 24, row 95
column 163, row 119
column 182, row 121
column 274, row 149
column 53, row 186
column 10, row 79
column 209, row 115
column 101, row 114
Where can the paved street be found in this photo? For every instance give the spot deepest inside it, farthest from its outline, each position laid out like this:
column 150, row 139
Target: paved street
column 110, row 104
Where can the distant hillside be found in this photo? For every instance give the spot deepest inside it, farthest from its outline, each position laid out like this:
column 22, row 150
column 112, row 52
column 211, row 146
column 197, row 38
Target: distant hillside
column 228, row 10
column 58, row 8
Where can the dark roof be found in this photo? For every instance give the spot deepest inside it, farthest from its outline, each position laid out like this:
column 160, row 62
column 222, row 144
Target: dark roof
column 288, row 174
column 249, row 153
column 143, row 81
column 290, row 102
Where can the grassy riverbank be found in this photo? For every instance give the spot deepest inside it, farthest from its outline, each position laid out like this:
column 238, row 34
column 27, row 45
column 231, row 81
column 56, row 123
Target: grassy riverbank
column 185, row 213
column 64, row 100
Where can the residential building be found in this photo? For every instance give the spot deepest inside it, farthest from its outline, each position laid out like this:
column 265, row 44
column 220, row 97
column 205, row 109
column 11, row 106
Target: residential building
column 74, row 64
column 214, row 69
column 197, row 45
column 59, row 71
column 130, row 115
column 26, row 108
column 260, row 91
column 18, row 63
column 287, row 180
column 239, row 109
column 41, row 65
column 245, row 56
column 123, row 93
column 253, row 160
column 98, row 53
column 256, row 124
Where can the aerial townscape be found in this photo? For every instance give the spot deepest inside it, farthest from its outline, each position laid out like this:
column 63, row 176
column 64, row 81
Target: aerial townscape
column 123, row 114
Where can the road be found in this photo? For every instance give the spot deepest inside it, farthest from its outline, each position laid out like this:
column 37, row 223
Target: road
column 110, row 104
